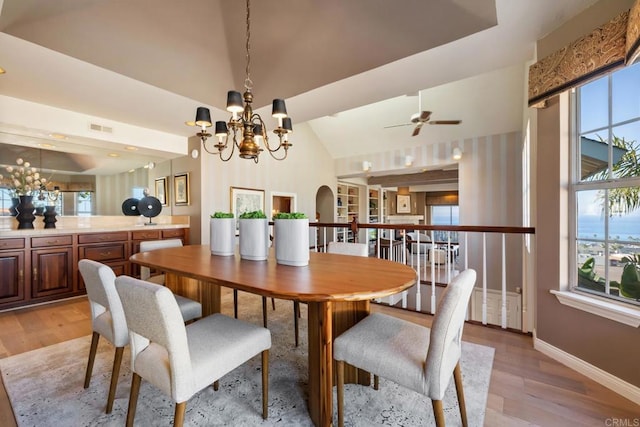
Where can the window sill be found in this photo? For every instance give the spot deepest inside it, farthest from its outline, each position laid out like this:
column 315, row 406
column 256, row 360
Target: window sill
column 600, row 307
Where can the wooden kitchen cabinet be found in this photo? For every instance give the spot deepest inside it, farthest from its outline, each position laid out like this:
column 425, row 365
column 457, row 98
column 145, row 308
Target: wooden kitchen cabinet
column 12, row 266
column 52, row 266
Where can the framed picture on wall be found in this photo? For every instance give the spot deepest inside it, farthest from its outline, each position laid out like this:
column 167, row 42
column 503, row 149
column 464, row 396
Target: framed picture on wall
column 403, row 203
column 246, row 200
column 181, row 189
column 161, row 190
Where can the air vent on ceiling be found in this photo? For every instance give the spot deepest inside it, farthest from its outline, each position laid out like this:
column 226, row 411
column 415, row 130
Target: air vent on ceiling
column 100, row 128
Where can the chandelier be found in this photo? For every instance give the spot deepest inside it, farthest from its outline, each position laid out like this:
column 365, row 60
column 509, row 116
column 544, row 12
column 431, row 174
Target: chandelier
column 244, row 123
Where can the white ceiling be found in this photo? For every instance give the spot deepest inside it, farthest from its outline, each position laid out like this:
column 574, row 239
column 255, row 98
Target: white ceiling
column 344, row 66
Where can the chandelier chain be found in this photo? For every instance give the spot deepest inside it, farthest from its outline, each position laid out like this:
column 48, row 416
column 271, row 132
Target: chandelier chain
column 248, row 84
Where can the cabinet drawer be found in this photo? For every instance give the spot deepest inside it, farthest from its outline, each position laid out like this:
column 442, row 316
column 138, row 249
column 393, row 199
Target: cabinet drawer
column 145, row 235
column 174, row 232
column 103, row 237
column 11, row 244
column 113, row 252
column 40, row 242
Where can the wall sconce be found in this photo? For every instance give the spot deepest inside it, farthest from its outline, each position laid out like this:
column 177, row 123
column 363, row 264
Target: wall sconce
column 408, row 161
column 456, row 154
column 366, row 166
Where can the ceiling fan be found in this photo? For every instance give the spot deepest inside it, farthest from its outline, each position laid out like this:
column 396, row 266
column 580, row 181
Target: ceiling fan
column 421, row 118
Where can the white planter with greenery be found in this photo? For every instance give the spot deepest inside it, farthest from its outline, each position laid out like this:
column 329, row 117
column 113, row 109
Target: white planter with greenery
column 254, row 236
column 291, row 239
column 223, row 234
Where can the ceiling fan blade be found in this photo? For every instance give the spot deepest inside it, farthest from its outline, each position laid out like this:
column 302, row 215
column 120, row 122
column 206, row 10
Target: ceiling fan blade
column 416, row 131
column 424, row 116
column 395, row 126
column 445, row 122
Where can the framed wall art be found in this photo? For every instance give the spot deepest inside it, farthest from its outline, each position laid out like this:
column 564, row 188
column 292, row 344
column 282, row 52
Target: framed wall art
column 246, row 200
column 181, row 189
column 403, row 203
column 161, row 190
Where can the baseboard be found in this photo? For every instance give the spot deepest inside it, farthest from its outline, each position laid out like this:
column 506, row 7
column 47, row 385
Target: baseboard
column 604, row 378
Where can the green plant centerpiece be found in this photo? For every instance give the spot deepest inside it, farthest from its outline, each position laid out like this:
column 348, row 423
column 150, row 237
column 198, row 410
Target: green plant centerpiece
column 222, row 234
column 291, row 238
column 254, row 235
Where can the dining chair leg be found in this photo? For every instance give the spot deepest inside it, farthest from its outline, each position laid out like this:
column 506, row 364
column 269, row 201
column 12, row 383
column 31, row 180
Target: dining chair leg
column 235, row 303
column 95, row 337
column 264, row 311
column 273, row 303
column 457, row 376
column 296, row 313
column 340, row 391
column 115, row 373
column 376, row 382
column 133, row 398
column 178, row 419
column 265, row 384
column 438, row 412
column 216, row 385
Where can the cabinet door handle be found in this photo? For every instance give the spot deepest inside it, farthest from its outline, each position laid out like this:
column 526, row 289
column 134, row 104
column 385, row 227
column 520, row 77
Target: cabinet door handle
column 35, row 274
column 105, row 253
column 52, row 242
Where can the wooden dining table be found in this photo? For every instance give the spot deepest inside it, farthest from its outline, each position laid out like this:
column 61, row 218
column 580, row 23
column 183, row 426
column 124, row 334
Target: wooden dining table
column 337, row 289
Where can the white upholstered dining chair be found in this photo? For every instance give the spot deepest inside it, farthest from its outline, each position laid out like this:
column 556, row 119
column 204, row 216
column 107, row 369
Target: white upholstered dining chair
column 108, row 320
column 411, row 355
column 189, row 308
column 182, row 360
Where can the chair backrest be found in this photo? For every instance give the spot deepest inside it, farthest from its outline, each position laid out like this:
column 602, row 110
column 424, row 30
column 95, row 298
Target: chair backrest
column 153, row 316
column 446, row 333
column 99, row 280
column 151, row 245
column 348, row 248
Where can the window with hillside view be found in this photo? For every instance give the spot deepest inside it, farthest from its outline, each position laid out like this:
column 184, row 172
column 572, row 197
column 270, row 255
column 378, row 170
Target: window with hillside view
column 606, row 186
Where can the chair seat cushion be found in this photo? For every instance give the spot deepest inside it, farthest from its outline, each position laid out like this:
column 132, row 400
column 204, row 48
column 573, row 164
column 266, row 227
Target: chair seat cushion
column 190, row 309
column 386, row 346
column 218, row 344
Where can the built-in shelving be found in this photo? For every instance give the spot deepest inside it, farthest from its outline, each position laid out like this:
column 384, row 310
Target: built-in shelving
column 348, row 205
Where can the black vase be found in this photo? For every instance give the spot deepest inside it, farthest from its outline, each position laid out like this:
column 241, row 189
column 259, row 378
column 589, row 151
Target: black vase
column 25, row 215
column 50, row 217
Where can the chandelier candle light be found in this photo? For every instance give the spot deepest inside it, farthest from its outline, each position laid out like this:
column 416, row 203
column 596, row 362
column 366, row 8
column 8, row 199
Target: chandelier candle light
column 244, row 121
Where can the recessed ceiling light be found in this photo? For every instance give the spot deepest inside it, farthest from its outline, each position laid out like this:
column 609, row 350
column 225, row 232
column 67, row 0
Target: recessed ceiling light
column 45, row 145
column 132, row 170
column 114, row 155
column 130, row 148
column 58, row 136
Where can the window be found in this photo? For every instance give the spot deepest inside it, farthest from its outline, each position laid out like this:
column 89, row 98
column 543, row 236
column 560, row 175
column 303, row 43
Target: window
column 606, row 186
column 83, row 203
column 445, row 215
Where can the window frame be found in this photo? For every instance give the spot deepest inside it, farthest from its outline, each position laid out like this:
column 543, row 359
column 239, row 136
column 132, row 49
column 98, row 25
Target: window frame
column 626, row 312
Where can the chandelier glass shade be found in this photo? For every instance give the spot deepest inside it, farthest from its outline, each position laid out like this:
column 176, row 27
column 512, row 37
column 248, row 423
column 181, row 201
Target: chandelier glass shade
column 245, row 130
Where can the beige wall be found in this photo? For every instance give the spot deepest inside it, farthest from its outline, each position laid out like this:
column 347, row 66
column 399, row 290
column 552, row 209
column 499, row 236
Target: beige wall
column 306, row 169
column 608, row 345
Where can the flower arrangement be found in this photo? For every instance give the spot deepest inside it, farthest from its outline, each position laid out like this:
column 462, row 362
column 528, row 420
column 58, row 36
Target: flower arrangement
column 22, row 179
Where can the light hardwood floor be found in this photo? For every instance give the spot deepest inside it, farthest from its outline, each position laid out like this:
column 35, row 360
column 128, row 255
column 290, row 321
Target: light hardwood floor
column 527, row 388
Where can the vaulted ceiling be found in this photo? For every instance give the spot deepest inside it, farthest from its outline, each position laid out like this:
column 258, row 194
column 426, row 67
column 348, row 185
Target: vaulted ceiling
column 344, row 66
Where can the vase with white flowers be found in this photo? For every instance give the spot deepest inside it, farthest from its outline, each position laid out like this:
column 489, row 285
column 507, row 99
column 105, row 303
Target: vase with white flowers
column 24, row 182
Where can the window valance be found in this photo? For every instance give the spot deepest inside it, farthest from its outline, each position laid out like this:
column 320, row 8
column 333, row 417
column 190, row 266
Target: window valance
column 590, row 56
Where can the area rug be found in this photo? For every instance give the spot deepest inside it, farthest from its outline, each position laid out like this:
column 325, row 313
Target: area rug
column 45, row 386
